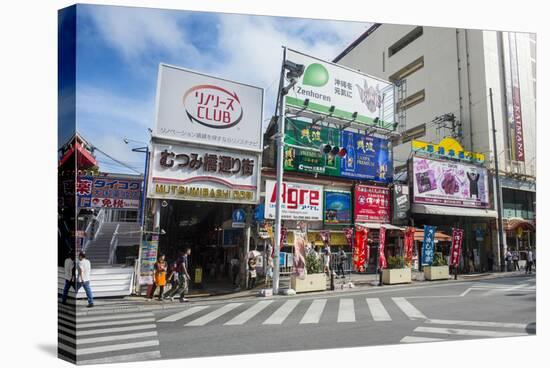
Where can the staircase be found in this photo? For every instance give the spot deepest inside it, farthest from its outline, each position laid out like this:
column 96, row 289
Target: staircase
column 110, row 236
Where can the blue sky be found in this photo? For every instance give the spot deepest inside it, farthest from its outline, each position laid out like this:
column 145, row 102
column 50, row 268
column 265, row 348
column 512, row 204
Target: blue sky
column 119, row 49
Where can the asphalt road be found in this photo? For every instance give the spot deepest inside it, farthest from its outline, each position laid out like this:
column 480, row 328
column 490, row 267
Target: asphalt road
column 428, row 312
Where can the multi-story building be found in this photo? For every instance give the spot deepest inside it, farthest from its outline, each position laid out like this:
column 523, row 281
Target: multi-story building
column 442, row 78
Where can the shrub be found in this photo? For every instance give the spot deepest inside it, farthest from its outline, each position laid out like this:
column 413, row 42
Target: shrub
column 313, row 264
column 439, row 260
column 396, row 262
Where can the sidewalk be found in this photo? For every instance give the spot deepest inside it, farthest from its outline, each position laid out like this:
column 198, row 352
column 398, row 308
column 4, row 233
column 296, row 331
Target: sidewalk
column 361, row 282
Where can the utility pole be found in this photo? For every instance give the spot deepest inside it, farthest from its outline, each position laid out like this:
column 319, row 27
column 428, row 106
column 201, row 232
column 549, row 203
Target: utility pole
column 279, row 185
column 498, row 189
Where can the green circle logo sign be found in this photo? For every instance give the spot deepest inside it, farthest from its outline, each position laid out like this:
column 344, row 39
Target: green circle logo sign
column 315, row 75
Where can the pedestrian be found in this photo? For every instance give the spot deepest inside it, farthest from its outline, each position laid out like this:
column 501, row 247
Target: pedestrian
column 535, row 258
column 326, row 253
column 529, row 266
column 490, row 261
column 252, row 273
column 183, row 277
column 508, row 259
column 69, row 277
column 83, row 272
column 172, row 278
column 235, row 268
column 515, row 260
column 342, row 258
column 159, row 277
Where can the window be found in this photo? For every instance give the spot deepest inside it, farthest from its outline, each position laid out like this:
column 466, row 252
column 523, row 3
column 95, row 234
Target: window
column 412, row 100
column 414, row 133
column 408, row 69
column 409, row 37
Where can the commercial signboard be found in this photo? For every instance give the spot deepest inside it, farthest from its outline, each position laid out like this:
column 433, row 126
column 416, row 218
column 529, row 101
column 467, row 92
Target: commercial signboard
column 337, row 208
column 401, row 203
column 108, row 192
column 428, row 245
column 366, row 158
column 447, row 148
column 198, row 108
column 350, row 94
column 372, row 204
column 189, row 172
column 298, row 201
column 148, row 257
column 449, row 183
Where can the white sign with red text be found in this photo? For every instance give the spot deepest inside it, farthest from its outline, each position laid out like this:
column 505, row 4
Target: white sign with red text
column 298, row 202
column 197, row 108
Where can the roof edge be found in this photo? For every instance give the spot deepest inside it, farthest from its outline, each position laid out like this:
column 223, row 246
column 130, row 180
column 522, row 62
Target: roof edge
column 354, row 44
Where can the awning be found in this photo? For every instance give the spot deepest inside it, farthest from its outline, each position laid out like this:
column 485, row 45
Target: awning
column 514, row 223
column 439, row 236
column 377, row 226
column 431, row 209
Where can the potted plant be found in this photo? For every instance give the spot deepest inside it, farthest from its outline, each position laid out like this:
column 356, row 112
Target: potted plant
column 315, row 279
column 396, row 273
column 439, row 270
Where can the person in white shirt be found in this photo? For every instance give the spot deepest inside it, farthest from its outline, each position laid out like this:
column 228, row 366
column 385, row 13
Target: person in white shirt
column 83, row 270
column 69, row 277
column 529, row 266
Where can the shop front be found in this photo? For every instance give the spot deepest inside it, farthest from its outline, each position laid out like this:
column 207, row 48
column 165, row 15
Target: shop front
column 204, row 175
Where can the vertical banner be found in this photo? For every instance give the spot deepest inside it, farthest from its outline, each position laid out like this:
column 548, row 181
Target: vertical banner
column 283, row 237
column 456, row 247
column 516, row 100
column 428, row 245
column 348, row 233
column 299, row 259
column 360, row 248
column 409, row 242
column 382, row 263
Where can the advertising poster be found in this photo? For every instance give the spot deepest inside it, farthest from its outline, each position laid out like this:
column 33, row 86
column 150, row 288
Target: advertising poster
column 84, row 191
column 198, row 108
column 149, row 250
column 372, row 204
column 299, row 259
column 298, row 201
column 367, row 157
column 326, row 84
column 108, row 192
column 401, row 203
column 337, row 208
column 449, row 183
column 428, row 245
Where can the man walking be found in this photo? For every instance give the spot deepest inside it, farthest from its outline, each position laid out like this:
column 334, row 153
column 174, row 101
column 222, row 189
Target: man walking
column 84, row 270
column 515, row 260
column 342, row 257
column 69, row 277
column 183, row 277
column 529, row 265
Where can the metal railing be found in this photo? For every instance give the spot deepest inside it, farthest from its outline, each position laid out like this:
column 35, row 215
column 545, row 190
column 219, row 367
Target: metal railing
column 513, row 167
column 93, row 228
column 113, row 246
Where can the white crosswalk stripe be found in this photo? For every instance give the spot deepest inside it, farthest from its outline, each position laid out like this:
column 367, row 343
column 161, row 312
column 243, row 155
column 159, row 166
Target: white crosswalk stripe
column 377, row 310
column 409, row 309
column 249, row 313
column 213, row 315
column 477, row 323
column 411, row 339
column 94, row 339
column 346, row 311
column 314, row 312
column 463, row 332
column 183, row 314
column 279, row 316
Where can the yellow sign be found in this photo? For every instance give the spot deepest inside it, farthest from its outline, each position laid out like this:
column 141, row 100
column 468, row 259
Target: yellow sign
column 448, row 147
column 519, row 231
column 212, row 194
column 198, row 275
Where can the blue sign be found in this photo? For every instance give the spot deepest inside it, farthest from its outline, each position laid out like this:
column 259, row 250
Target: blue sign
column 428, row 245
column 259, row 212
column 238, row 218
column 367, row 158
column 337, row 208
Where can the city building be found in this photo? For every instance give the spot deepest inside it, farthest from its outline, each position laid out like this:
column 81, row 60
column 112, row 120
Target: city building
column 442, row 78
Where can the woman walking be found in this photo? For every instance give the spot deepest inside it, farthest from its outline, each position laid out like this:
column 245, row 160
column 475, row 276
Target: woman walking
column 252, row 273
column 159, row 277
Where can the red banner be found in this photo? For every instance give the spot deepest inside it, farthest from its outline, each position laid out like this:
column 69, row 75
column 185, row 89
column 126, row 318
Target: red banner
column 372, row 204
column 360, row 249
column 348, row 233
column 382, row 263
column 409, row 243
column 456, row 246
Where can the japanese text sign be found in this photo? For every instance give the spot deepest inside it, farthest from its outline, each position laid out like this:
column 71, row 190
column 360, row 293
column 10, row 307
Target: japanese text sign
column 372, row 204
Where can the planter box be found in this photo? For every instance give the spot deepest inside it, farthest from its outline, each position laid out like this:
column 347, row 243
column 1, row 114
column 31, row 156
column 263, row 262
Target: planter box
column 396, row 276
column 436, row 272
column 313, row 282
